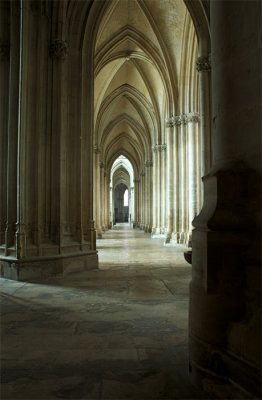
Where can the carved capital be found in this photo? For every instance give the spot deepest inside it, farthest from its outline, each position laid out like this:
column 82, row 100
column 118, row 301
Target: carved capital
column 148, row 163
column 183, row 119
column 4, row 51
column 97, row 149
column 179, row 120
column 203, row 63
column 192, row 117
column 174, row 121
column 159, row 147
column 170, row 122
column 58, row 49
column 136, row 180
column 142, row 173
column 162, row 147
column 102, row 165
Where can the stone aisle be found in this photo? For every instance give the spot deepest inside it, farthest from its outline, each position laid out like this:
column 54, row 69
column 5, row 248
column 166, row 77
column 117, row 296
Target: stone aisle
column 119, row 332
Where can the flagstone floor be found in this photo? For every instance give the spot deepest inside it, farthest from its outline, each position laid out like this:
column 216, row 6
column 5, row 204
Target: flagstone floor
column 119, row 332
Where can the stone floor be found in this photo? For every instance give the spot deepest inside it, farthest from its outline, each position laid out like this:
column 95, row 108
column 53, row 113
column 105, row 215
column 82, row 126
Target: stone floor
column 119, row 332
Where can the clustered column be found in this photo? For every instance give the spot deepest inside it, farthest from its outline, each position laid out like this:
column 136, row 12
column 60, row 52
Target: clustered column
column 176, row 183
column 46, row 216
column 148, row 193
column 159, row 190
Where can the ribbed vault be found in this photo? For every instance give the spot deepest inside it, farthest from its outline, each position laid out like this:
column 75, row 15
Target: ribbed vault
column 144, row 73
column 135, row 75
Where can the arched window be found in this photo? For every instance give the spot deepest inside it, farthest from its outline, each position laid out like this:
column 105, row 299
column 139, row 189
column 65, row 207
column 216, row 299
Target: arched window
column 126, row 198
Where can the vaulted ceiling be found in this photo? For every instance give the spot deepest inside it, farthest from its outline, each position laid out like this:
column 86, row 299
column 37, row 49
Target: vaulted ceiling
column 138, row 58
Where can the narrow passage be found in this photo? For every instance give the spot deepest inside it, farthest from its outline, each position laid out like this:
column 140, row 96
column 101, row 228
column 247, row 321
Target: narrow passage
column 119, row 332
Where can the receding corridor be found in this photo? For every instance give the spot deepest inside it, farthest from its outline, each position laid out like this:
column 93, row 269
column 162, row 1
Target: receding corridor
column 115, row 333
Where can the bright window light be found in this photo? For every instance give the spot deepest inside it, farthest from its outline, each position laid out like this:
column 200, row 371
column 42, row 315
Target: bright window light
column 126, row 198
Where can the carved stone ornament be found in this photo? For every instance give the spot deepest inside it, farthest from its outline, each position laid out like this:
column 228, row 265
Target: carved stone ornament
column 162, row 147
column 192, row 117
column 170, row 122
column 4, row 51
column 148, row 163
column 179, row 120
column 175, row 121
column 159, row 147
column 203, row 63
column 58, row 49
column 96, row 149
column 183, row 119
column 102, row 165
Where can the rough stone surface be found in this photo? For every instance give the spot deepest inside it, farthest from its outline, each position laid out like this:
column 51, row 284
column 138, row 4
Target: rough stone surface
column 119, row 332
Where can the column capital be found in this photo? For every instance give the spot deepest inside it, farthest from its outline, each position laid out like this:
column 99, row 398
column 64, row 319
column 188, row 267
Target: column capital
column 159, row 147
column 148, row 163
column 58, row 49
column 170, row 123
column 136, row 180
column 192, row 117
column 102, row 165
column 97, row 150
column 183, row 119
column 203, row 63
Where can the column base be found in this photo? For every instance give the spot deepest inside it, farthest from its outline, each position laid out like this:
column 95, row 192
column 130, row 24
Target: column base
column 168, row 239
column 148, row 228
column 158, row 232
column 30, row 269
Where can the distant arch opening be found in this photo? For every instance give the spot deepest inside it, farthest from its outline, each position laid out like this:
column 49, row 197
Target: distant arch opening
column 122, row 200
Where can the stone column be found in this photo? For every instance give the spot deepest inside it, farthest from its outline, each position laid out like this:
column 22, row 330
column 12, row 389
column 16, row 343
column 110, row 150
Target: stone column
column 159, row 189
column 105, row 202
column 100, row 193
column 176, row 182
column 148, row 171
column 192, row 120
column 20, row 235
column 203, row 65
column 58, row 54
column 162, row 204
column 183, row 200
column 225, row 312
column 155, row 191
column 142, row 200
column 13, row 106
column 137, row 202
column 108, row 201
column 170, row 180
column 131, row 209
column 97, row 194
column 4, row 93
